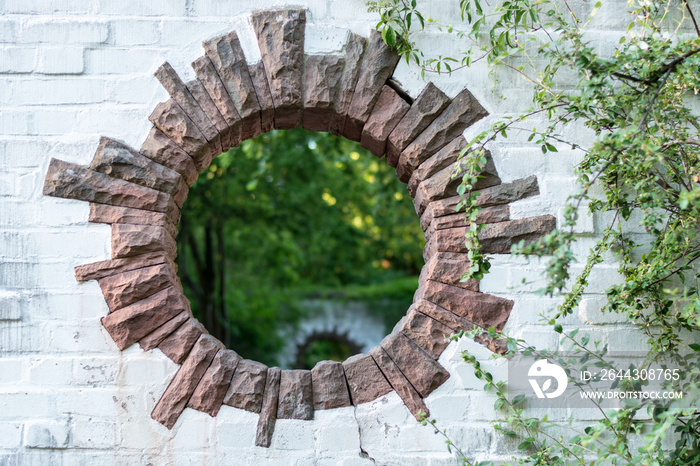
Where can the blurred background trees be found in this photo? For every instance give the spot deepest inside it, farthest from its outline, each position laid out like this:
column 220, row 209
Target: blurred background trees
column 291, row 216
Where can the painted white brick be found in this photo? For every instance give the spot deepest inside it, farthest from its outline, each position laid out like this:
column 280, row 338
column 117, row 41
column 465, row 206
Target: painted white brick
column 11, row 371
column 8, row 30
column 58, row 91
column 60, row 60
column 293, row 434
column 136, row 90
column 10, row 435
column 138, row 8
column 64, row 31
column 134, row 32
column 336, row 430
column 317, row 8
column 50, row 371
column 321, row 39
column 93, row 433
column 122, row 61
column 17, row 60
column 178, row 32
column 46, row 434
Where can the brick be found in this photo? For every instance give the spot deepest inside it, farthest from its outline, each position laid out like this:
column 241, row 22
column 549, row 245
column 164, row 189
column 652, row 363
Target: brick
column 94, row 434
column 60, row 60
column 120, row 60
column 17, row 60
column 378, row 64
column 59, row 91
column 10, row 435
column 46, row 434
column 137, row 8
column 64, row 31
column 8, row 30
column 427, row 106
column 280, row 36
column 387, row 112
column 134, row 32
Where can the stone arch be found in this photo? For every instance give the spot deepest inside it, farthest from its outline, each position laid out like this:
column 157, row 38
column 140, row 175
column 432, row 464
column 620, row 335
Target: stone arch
column 139, row 193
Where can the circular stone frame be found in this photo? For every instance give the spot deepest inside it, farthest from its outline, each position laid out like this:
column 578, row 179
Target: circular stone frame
column 139, row 193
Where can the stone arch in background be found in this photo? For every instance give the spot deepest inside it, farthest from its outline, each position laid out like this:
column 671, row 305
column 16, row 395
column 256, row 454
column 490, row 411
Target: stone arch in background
column 139, row 193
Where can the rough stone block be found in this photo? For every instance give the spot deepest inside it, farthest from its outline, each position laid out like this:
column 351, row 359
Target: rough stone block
column 442, row 159
column 133, row 240
column 427, row 106
column 268, row 413
column 427, row 332
column 103, row 213
column 226, row 54
column 247, row 386
column 126, row 288
column 365, row 381
column 378, row 64
column 131, row 323
column 424, row 373
column 444, row 184
column 295, row 395
column 280, row 36
column 200, row 94
column 210, row 392
column 209, row 77
column 262, row 89
column 322, row 80
column 482, row 309
column 461, row 113
column 72, row 181
column 354, row 51
column 387, row 112
column 163, row 150
column 399, row 382
column 153, row 339
column 448, row 268
column 171, row 120
column 329, row 385
column 103, row 269
column 494, row 214
column 178, row 344
column 179, row 92
column 174, row 400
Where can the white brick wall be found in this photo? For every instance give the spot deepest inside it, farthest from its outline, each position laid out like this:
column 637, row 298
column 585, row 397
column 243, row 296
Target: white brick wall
column 72, row 70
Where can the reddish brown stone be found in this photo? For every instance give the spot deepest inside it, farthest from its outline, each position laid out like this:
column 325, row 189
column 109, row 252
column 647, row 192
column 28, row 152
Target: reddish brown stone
column 153, row 339
column 103, row 213
column 446, row 267
column 262, row 89
column 329, row 385
column 171, row 120
column 482, row 309
column 428, row 333
column 387, row 112
column 493, row 214
column 378, row 64
column 398, row 381
column 118, row 160
column 444, row 184
column 126, row 288
column 179, row 92
column 200, row 94
column 72, row 181
column 207, row 74
column 322, row 80
column 163, row 150
column 458, row 323
column 226, row 54
column 210, row 392
column 365, row 381
column 174, row 400
column 133, row 240
column 495, row 195
column 281, row 39
column 247, row 386
column 461, row 113
column 427, row 106
column 296, row 399
column 178, row 344
column 131, row 323
column 442, row 159
column 103, row 269
column 268, row 413
column 424, row 373
column 354, row 51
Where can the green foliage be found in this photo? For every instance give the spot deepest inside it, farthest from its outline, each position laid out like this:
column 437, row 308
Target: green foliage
column 641, row 165
column 284, row 216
